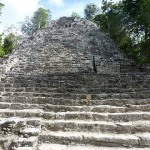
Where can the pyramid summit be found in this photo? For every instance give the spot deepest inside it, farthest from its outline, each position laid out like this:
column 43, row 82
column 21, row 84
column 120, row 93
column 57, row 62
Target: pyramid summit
column 68, row 87
column 68, row 45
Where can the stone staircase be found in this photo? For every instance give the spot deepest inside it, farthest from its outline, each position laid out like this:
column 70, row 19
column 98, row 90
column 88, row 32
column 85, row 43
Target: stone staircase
column 87, row 111
column 51, row 99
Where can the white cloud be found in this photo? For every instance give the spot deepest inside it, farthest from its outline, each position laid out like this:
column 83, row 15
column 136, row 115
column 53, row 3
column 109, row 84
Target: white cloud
column 15, row 11
column 58, row 3
column 76, row 7
column 67, row 11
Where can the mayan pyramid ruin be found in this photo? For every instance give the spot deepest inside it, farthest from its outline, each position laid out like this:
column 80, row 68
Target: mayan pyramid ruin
column 68, row 87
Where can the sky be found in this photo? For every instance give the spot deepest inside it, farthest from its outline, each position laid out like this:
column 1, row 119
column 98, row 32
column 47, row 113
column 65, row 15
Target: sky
column 15, row 11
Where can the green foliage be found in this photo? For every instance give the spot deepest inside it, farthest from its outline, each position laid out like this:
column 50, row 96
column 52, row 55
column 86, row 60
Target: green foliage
column 139, row 18
column 139, row 15
column 40, row 19
column 128, row 24
column 2, row 53
column 131, row 7
column 14, row 32
column 1, row 6
column 1, row 47
column 102, row 21
column 74, row 14
column 1, row 39
column 90, row 11
column 8, row 45
column 112, row 21
column 9, row 40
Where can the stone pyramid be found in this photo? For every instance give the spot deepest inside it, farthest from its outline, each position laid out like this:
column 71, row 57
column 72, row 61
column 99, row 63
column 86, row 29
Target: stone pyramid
column 68, row 45
column 68, row 87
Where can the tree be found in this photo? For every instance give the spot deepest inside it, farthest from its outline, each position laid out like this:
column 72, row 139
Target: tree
column 128, row 24
column 74, row 14
column 114, row 21
column 40, row 19
column 1, row 6
column 8, row 45
column 14, row 32
column 90, row 11
column 11, row 40
column 1, row 47
column 27, row 26
column 139, row 15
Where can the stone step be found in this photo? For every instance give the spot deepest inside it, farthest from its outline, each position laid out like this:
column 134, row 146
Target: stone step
column 82, row 90
column 17, row 125
column 96, row 126
column 83, row 77
column 97, row 108
column 82, row 81
column 96, row 139
column 88, row 74
column 30, row 131
column 82, row 147
column 26, row 142
column 79, row 125
column 74, row 76
column 125, row 117
column 9, row 96
column 25, row 148
column 64, row 108
column 90, row 87
column 7, row 113
column 19, row 106
column 74, row 102
column 11, row 125
column 71, row 93
column 114, row 102
column 34, row 123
